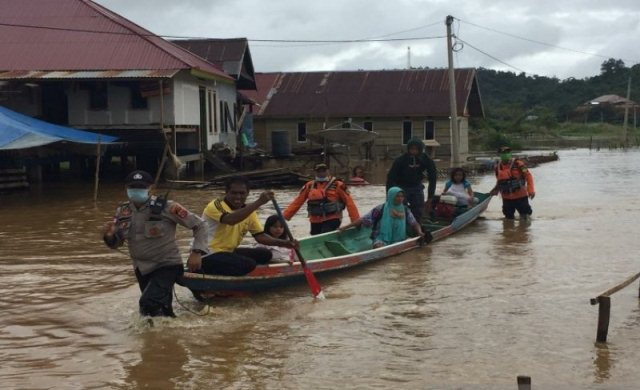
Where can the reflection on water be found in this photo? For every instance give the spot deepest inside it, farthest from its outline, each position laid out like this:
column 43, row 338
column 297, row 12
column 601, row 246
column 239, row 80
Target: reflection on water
column 602, row 363
column 500, row 299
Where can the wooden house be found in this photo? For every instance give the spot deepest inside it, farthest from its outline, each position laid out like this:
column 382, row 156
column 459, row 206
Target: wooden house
column 76, row 63
column 395, row 104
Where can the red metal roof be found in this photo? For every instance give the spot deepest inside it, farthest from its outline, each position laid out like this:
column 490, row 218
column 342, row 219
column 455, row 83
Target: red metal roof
column 82, row 35
column 416, row 92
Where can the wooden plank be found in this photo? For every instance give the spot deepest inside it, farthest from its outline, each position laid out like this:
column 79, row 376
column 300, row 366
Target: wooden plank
column 11, row 171
column 615, row 289
column 13, row 178
column 22, row 184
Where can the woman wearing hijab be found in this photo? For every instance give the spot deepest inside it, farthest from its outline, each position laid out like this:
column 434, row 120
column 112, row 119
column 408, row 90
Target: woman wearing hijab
column 389, row 220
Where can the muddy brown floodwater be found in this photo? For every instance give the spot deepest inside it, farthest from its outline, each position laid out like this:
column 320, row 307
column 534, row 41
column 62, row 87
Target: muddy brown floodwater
column 474, row 310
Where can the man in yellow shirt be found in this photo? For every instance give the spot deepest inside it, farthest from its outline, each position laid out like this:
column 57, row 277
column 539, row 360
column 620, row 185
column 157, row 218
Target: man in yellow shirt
column 228, row 220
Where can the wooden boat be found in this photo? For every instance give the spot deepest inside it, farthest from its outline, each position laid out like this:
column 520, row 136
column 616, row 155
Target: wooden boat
column 329, row 252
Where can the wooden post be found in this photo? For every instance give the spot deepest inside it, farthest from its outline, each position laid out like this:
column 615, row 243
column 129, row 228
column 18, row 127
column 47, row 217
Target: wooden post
column 604, row 312
column 524, row 382
column 97, row 174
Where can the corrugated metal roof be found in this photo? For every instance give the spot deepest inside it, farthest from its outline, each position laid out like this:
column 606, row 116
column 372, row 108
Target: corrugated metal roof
column 231, row 55
column 612, row 100
column 82, row 35
column 87, row 74
column 417, row 92
column 227, row 54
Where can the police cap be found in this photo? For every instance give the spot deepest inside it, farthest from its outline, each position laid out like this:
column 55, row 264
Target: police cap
column 138, row 179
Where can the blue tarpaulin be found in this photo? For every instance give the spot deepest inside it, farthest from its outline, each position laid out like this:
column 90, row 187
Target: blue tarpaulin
column 19, row 131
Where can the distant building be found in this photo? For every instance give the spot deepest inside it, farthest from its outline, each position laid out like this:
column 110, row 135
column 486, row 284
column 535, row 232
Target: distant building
column 74, row 62
column 396, row 104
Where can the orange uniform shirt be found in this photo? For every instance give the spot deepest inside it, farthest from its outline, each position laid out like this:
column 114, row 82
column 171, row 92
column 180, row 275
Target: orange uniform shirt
column 337, row 191
column 515, row 169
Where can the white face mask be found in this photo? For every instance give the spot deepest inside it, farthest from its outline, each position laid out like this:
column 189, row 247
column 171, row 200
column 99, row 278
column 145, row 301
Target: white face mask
column 322, row 178
column 138, row 195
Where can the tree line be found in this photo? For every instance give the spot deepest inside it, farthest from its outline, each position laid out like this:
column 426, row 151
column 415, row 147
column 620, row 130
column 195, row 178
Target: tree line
column 512, row 100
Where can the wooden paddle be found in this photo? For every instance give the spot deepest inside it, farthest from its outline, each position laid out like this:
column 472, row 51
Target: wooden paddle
column 316, row 290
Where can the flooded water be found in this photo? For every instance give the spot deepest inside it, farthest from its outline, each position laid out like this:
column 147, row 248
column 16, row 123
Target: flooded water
column 474, row 310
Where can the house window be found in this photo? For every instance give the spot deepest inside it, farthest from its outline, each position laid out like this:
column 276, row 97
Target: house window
column 368, row 125
column 209, row 108
column 223, row 118
column 213, row 113
column 302, row 132
column 429, row 130
column 138, row 102
column 235, row 117
column 98, row 96
column 407, row 130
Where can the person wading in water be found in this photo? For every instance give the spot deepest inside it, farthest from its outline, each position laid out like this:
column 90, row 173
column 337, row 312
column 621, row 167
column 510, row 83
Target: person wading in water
column 515, row 185
column 407, row 172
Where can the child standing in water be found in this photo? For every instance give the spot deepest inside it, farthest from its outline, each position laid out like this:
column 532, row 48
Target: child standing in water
column 273, row 226
column 459, row 187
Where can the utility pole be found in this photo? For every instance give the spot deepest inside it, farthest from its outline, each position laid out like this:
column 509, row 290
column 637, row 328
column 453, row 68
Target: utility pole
column 626, row 112
column 455, row 133
column 408, row 57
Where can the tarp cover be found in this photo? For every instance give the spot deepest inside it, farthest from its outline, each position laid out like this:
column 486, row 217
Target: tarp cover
column 19, row 131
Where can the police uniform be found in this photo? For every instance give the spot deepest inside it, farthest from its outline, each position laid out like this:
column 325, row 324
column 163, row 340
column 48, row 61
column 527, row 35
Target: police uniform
column 151, row 235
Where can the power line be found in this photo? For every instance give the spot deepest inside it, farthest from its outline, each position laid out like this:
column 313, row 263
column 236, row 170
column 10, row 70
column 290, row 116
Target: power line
column 539, row 42
column 322, row 41
column 406, row 31
column 490, row 56
column 367, row 38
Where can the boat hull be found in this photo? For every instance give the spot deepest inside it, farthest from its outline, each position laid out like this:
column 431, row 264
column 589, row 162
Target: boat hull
column 325, row 253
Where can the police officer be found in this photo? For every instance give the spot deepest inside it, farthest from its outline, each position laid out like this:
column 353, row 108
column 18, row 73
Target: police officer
column 148, row 223
column 514, row 182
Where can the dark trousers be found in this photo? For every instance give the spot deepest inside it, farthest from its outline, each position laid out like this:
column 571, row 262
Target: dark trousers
column 510, row 206
column 325, row 227
column 237, row 263
column 157, row 290
column 414, row 198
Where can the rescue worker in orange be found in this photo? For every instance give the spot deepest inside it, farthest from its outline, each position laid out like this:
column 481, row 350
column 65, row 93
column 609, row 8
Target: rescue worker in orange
column 515, row 184
column 326, row 197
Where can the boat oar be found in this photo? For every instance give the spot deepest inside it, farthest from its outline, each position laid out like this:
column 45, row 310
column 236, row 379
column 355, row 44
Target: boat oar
column 316, row 290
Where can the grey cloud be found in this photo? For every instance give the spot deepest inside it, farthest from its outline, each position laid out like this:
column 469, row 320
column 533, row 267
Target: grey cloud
column 608, row 28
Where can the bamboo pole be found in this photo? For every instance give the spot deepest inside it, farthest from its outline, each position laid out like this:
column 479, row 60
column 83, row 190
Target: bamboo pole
column 97, row 174
column 615, row 289
column 604, row 308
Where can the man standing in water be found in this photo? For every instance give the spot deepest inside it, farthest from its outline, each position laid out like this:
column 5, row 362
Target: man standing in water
column 326, row 197
column 148, row 223
column 228, row 220
column 407, row 172
column 515, row 184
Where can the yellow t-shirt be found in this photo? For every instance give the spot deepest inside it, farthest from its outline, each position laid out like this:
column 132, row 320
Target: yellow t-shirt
column 223, row 237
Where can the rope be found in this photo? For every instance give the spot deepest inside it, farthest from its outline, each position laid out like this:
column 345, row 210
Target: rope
column 187, row 309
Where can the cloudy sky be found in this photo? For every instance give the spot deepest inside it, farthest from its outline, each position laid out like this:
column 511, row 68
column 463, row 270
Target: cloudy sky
column 569, row 27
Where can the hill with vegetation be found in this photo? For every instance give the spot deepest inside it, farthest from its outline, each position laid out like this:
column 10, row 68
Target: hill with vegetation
column 520, row 108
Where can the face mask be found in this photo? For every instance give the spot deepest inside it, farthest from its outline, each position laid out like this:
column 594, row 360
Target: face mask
column 322, row 178
column 505, row 156
column 138, row 195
